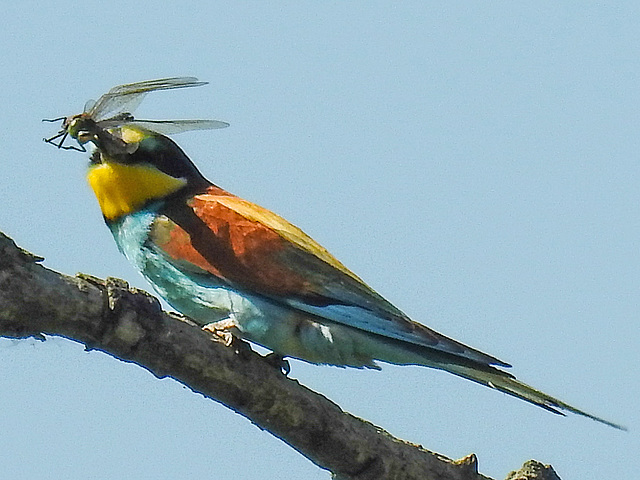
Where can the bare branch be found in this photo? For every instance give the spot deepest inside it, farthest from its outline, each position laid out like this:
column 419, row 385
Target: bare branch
column 129, row 324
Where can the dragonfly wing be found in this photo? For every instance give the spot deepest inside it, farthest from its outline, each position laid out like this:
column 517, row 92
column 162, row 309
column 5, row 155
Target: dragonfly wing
column 110, row 105
column 171, row 127
column 88, row 106
column 128, row 97
column 159, row 84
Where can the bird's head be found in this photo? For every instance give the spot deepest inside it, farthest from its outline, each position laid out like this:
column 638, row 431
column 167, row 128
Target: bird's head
column 149, row 170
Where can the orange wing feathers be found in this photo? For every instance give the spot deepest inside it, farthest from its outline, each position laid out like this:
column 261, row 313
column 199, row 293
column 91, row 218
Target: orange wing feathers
column 251, row 246
column 240, row 250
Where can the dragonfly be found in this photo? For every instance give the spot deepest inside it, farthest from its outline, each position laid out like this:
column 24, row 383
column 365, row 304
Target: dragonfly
column 99, row 120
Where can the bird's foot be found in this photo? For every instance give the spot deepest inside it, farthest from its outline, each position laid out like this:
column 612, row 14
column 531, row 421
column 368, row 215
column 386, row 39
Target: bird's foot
column 221, row 331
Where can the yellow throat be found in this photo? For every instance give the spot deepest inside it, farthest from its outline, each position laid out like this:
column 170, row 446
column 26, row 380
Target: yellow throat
column 124, row 189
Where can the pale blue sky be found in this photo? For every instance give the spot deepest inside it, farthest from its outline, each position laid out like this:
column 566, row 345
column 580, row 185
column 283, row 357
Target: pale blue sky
column 476, row 164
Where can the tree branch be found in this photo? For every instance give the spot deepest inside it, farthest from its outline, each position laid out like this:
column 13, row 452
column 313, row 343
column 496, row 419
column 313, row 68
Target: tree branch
column 129, row 324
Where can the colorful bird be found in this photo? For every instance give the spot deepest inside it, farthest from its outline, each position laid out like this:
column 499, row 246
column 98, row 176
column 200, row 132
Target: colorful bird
column 241, row 270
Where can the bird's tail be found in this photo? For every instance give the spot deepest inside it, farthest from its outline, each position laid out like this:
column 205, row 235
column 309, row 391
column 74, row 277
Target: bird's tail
column 503, row 381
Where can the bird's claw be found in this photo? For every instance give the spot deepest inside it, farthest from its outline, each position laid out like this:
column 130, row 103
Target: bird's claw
column 221, row 332
column 278, row 361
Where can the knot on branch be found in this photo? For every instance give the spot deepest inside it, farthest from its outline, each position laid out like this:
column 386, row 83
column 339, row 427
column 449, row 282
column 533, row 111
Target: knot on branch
column 531, row 470
column 129, row 315
column 468, row 464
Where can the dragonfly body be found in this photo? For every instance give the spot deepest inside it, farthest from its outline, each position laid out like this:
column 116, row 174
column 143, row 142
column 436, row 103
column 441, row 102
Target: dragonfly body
column 112, row 110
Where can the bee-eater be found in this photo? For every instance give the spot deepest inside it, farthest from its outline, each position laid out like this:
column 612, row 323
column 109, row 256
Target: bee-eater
column 240, row 269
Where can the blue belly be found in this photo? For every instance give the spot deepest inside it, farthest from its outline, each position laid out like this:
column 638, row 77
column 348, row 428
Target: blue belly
column 204, row 298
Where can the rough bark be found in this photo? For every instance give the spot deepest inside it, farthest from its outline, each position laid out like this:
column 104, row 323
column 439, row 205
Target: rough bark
column 534, row 470
column 129, row 324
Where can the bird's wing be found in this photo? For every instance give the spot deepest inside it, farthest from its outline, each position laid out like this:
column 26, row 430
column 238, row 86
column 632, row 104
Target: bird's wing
column 256, row 250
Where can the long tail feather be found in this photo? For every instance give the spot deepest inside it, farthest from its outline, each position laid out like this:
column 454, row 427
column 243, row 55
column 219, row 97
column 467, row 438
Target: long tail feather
column 494, row 378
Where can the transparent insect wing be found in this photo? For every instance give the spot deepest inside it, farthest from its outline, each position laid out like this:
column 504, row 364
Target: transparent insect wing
column 127, row 97
column 110, row 104
column 159, row 84
column 171, row 127
column 89, row 105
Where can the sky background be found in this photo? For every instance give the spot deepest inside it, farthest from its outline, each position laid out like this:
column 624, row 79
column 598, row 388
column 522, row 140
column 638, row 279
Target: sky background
column 476, row 164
